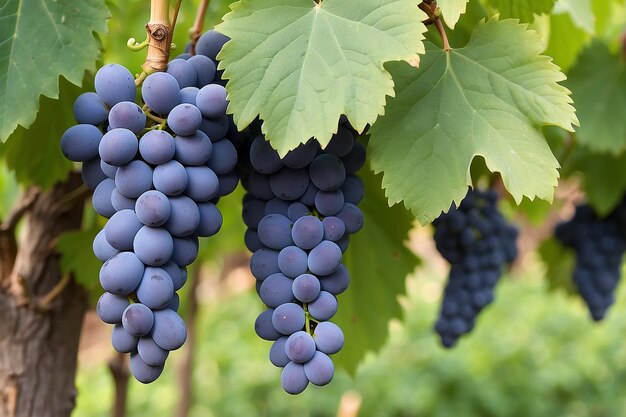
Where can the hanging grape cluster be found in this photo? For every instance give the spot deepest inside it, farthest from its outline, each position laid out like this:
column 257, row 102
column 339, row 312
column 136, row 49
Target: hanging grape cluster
column 599, row 244
column 300, row 211
column 478, row 243
column 157, row 168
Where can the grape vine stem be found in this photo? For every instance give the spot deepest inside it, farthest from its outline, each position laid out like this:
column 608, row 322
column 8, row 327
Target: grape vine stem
column 433, row 12
column 196, row 30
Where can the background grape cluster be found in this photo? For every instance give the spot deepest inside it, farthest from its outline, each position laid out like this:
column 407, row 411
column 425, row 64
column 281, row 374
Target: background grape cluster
column 478, row 243
column 300, row 211
column 156, row 169
column 599, row 244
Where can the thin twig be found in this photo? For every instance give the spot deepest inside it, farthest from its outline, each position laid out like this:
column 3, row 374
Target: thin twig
column 196, row 30
column 18, row 211
column 174, row 18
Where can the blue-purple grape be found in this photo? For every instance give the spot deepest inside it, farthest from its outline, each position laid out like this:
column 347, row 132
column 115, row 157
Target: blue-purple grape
column 293, row 378
column 134, row 179
column 193, row 149
column 118, row 147
column 121, row 229
column 203, row 183
column 169, row 331
column 92, row 174
column 205, row 70
column 324, row 307
column 161, row 92
column 127, row 115
column 328, row 337
column 110, row 307
column 153, row 245
column 137, row 320
column 263, row 263
column 170, row 178
column 184, row 119
column 155, row 289
column 184, row 216
column 276, row 290
column 210, row 220
column 115, row 84
column 123, row 342
column 153, row 208
column 275, row 231
column 184, row 73
column 307, row 232
column 80, row 143
column 143, row 372
column 320, row 369
column 327, row 172
column 300, row 347
column 292, row 261
column 306, row 288
column 157, row 147
column 101, row 198
column 288, row 318
column 185, row 250
column 151, row 353
column 264, row 328
column 90, row 109
column 121, row 274
column 211, row 100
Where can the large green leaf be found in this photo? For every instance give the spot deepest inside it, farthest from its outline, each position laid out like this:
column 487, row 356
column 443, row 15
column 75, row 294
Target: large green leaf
column 33, row 154
column 77, row 257
column 379, row 263
column 522, row 9
column 566, row 40
column 300, row 65
column 451, row 10
column 40, row 40
column 486, row 99
column 598, row 84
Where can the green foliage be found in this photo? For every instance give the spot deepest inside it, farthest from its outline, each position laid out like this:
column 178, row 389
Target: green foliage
column 47, row 165
column 485, row 99
column 581, row 12
column 559, row 262
column 300, row 65
column 522, row 9
column 598, row 84
column 451, row 10
column 77, row 258
column 39, row 41
column 566, row 40
column 378, row 262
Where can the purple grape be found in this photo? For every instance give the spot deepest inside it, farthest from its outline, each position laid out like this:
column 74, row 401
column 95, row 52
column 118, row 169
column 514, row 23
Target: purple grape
column 92, row 173
column 193, row 149
column 185, row 250
column 184, row 119
column 307, row 232
column 292, row 261
column 118, row 147
column 337, row 282
column 263, row 263
column 276, row 290
column 320, row 369
column 210, row 220
column 302, row 156
column 80, row 143
column 355, row 160
column 341, row 142
column 300, row 347
column 176, row 274
column 263, row 326
column 277, row 206
column 170, row 178
column 134, row 179
column 169, row 331
column 228, row 183
column 215, row 128
column 275, row 231
column 161, row 92
column 288, row 318
column 184, row 217
column 223, row 157
column 101, row 198
column 119, row 202
column 306, row 288
column 153, row 245
column 210, row 44
column 174, row 303
column 121, row 229
column 353, row 189
column 143, row 372
column 137, row 320
column 334, row 228
column 211, row 100
column 293, row 378
column 153, row 208
column 184, row 73
column 115, row 84
column 203, row 183
column 352, row 216
column 259, row 186
column 327, row 172
column 329, row 203
column 205, row 69
column 325, row 258
column 108, row 169
column 102, row 249
column 110, row 307
column 90, row 109
column 289, row 184
column 297, row 210
column 308, row 198
column 156, row 288
column 278, row 356
column 121, row 274
column 328, row 337
column 123, row 342
column 151, row 353
column 188, row 95
column 157, row 146
column 263, row 157
column 251, row 240
column 324, row 307
column 127, row 115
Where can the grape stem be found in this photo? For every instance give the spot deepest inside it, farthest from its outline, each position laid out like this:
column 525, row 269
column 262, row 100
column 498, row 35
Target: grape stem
column 307, row 318
column 196, row 30
column 433, row 12
column 159, row 38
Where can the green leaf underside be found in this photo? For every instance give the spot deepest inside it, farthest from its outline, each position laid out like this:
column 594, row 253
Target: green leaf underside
column 451, row 10
column 522, row 9
column 598, row 84
column 47, row 165
column 77, row 257
column 485, row 99
column 40, row 40
column 379, row 263
column 300, row 66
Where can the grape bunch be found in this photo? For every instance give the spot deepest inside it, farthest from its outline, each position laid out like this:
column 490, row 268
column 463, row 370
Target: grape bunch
column 477, row 242
column 300, row 212
column 157, row 167
column 599, row 244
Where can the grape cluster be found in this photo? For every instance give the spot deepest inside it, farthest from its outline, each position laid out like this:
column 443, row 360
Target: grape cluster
column 599, row 244
column 300, row 211
column 156, row 169
column 477, row 242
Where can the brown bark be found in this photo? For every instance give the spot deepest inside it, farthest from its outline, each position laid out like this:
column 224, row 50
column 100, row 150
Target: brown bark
column 40, row 310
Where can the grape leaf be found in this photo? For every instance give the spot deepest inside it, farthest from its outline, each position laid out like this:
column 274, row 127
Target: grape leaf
column 77, row 257
column 485, row 99
column 522, row 9
column 566, row 41
column 379, row 263
column 559, row 262
column 580, row 11
column 451, row 10
column 47, row 166
column 598, row 84
column 300, row 65
column 603, row 178
column 40, row 40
